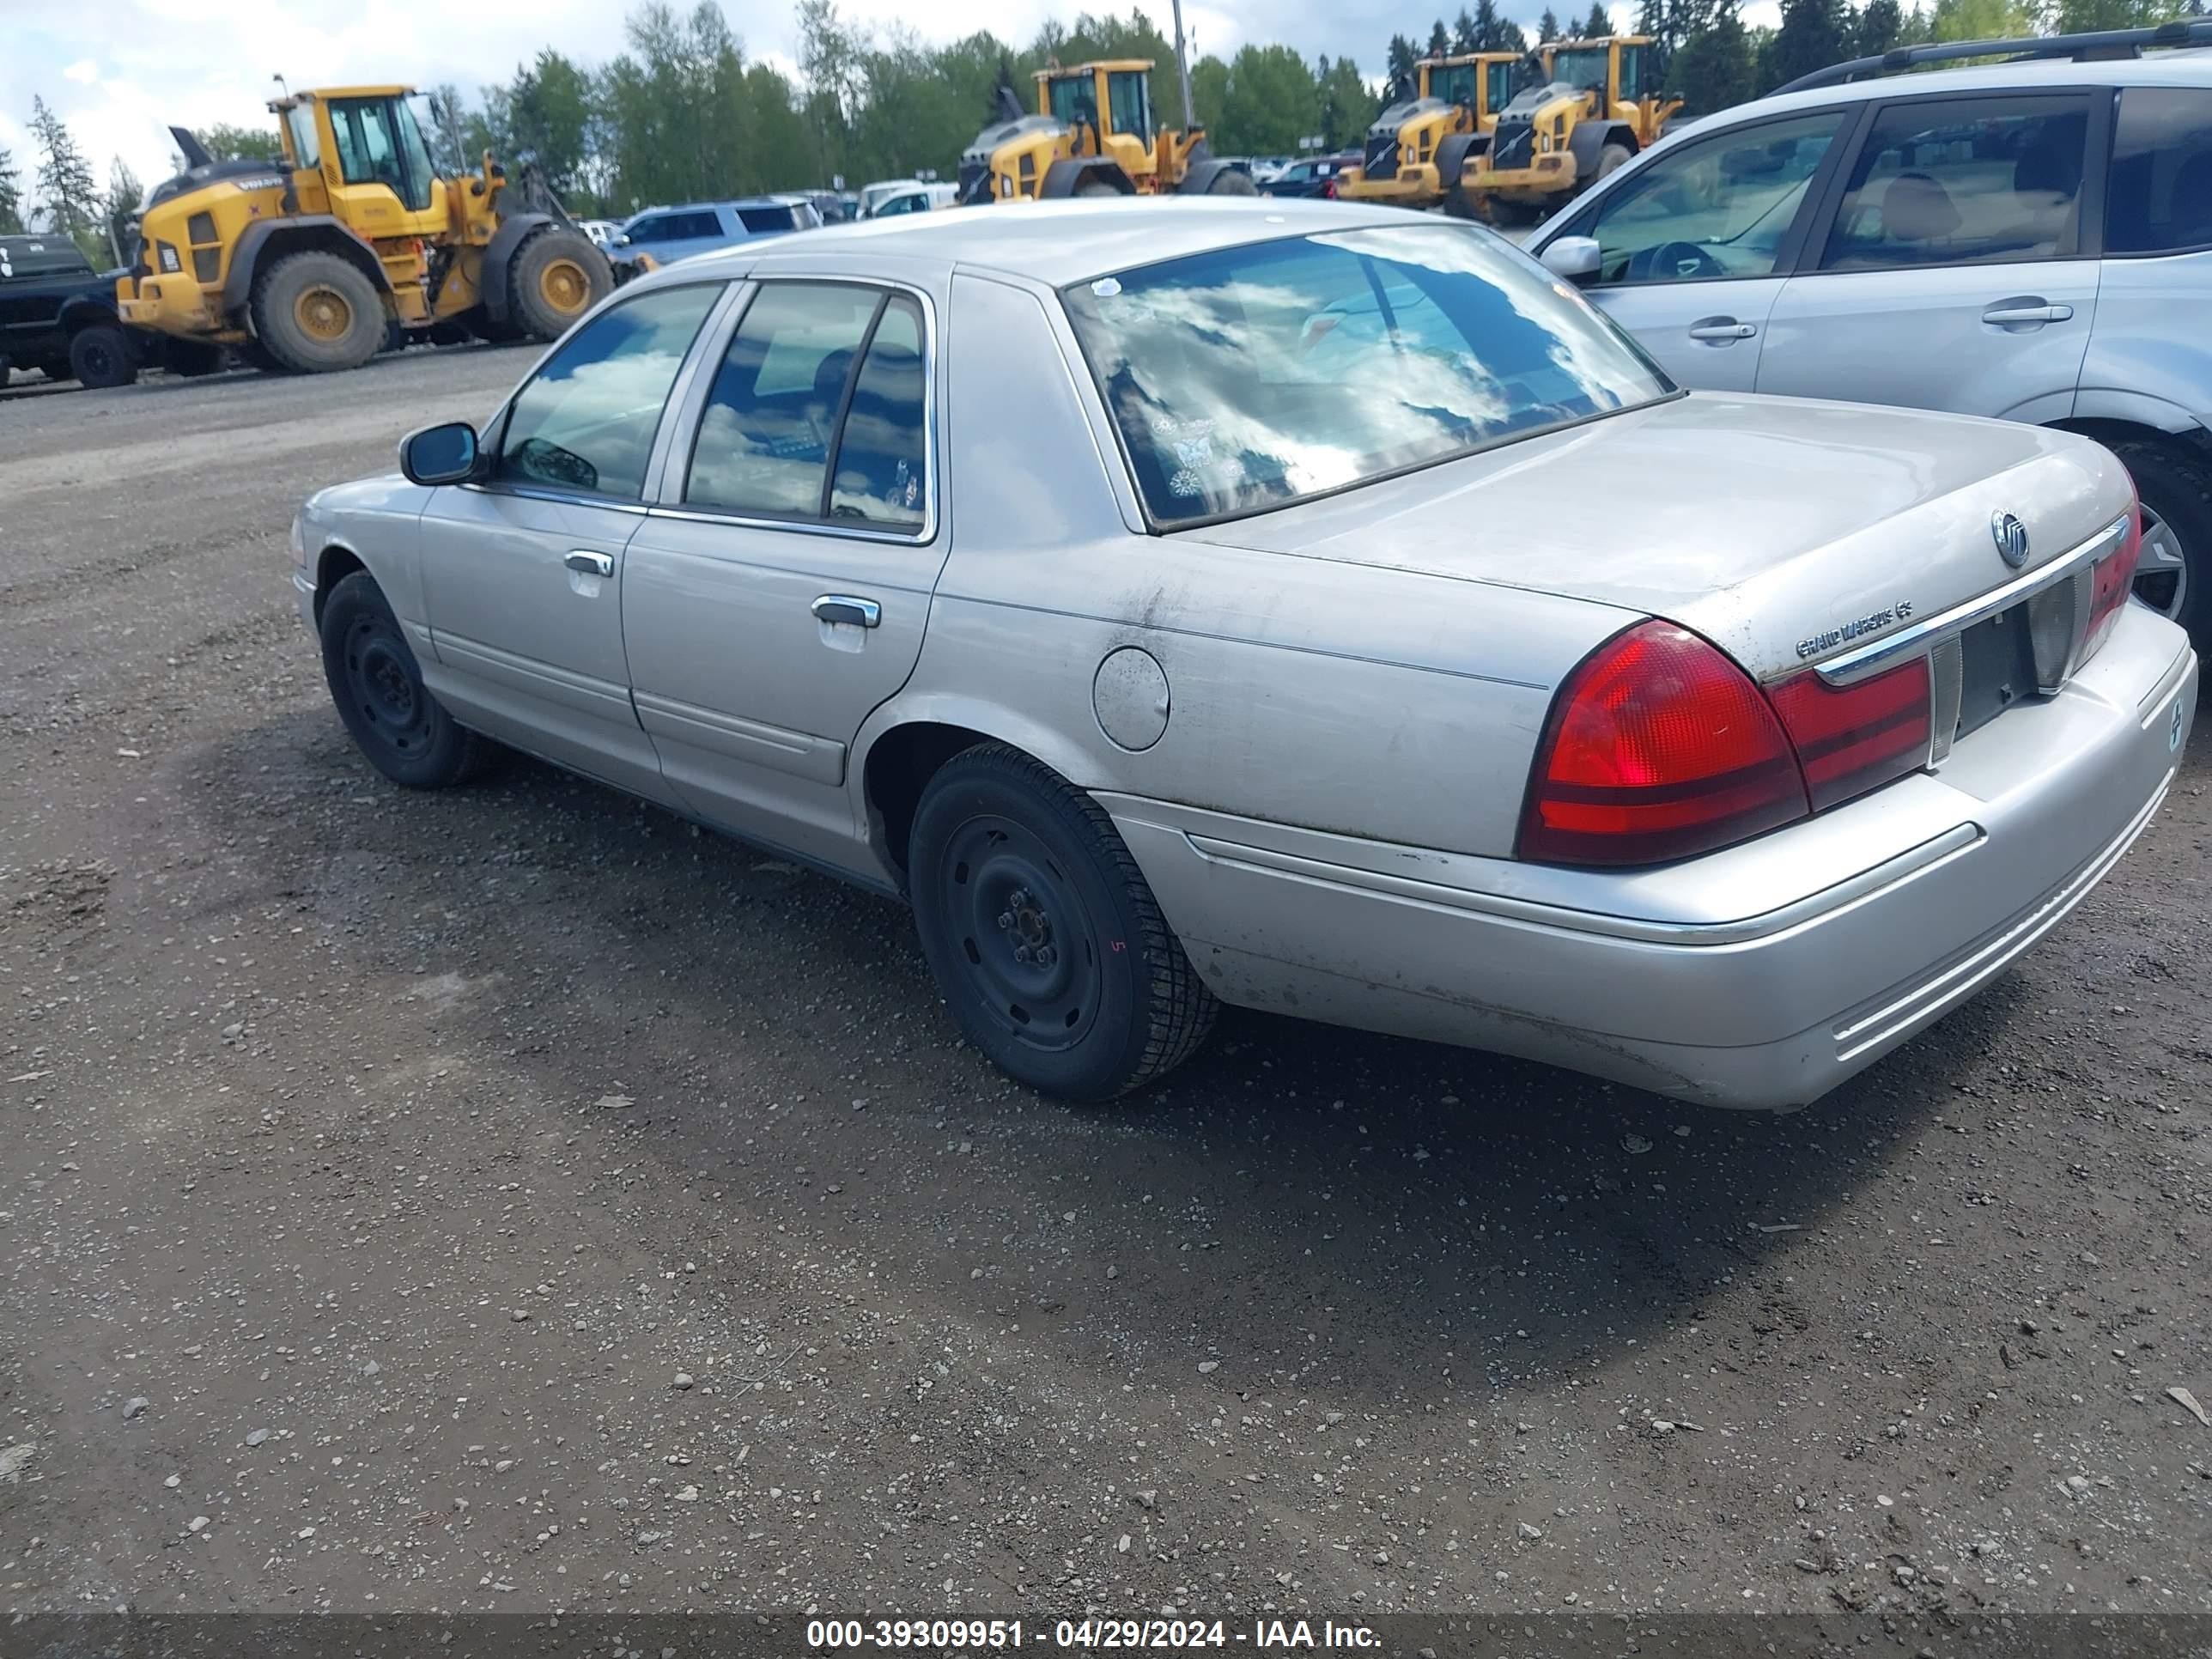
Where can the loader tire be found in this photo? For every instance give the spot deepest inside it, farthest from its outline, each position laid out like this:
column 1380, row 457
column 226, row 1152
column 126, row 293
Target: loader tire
column 315, row 314
column 1230, row 182
column 1094, row 187
column 555, row 277
column 1611, row 158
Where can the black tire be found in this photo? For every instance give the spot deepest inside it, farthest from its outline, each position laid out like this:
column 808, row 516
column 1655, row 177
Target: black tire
column 376, row 684
column 1461, row 205
column 256, row 355
column 6, row 369
column 1230, row 182
column 100, row 356
column 1611, row 160
column 192, row 358
column 2176, row 487
column 315, row 313
column 1005, row 856
column 555, row 277
column 1096, row 187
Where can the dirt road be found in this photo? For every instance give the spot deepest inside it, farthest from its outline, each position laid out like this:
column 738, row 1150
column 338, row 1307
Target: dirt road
column 513, row 1200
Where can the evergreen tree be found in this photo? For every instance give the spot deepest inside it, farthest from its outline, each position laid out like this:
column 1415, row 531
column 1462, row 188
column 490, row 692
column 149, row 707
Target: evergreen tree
column 1439, row 40
column 1399, row 67
column 119, row 207
column 1465, row 32
column 11, row 196
column 1510, row 37
column 1814, row 33
column 1878, row 27
column 68, row 193
column 1547, row 27
column 1717, row 68
column 1489, row 27
column 1599, row 23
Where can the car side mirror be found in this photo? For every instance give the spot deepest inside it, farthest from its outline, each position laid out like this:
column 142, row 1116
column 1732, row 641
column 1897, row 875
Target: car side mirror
column 1574, row 258
column 440, row 454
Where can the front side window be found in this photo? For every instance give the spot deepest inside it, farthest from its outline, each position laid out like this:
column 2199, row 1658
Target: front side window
column 1716, row 208
column 307, row 147
column 1586, row 67
column 1248, row 377
column 1454, row 84
column 1499, row 85
column 816, row 412
column 1632, row 73
column 1963, row 181
column 2160, row 196
column 586, row 422
column 1074, row 103
column 1131, row 109
column 371, row 150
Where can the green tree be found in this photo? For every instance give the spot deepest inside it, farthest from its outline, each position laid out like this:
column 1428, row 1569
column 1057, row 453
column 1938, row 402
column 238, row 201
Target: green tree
column 1599, row 23
column 2077, row 16
column 1465, row 31
column 69, row 195
column 11, row 196
column 226, row 143
column 1878, row 27
column 1439, row 40
column 1547, row 27
column 1977, row 19
column 1398, row 67
column 1717, row 68
column 549, row 109
column 1209, row 96
column 1814, row 33
column 1270, row 104
column 1346, row 106
column 446, row 132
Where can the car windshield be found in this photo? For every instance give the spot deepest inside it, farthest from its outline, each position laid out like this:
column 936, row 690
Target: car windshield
column 1583, row 68
column 1248, row 377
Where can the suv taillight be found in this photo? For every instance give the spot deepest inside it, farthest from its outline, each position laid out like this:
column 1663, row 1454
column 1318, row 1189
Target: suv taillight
column 1658, row 747
column 2110, row 578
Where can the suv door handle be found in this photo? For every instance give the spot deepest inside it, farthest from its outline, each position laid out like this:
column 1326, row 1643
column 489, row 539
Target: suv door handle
column 1719, row 330
column 590, row 564
column 844, row 608
column 2032, row 309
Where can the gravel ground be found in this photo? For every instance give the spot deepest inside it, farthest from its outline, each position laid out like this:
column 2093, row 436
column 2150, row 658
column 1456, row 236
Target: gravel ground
column 513, row 1200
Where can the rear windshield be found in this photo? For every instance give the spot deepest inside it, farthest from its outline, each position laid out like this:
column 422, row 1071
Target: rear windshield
column 1248, row 377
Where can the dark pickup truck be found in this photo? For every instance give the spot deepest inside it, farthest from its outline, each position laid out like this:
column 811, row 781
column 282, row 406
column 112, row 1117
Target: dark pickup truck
column 58, row 315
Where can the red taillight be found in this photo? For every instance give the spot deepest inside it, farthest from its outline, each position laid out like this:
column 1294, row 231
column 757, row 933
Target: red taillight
column 1851, row 737
column 2110, row 578
column 1328, row 189
column 1658, row 747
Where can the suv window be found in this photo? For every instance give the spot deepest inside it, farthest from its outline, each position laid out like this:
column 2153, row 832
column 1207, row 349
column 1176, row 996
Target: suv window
column 586, row 420
column 2160, row 200
column 1963, row 181
column 767, row 221
column 772, row 420
column 1717, row 207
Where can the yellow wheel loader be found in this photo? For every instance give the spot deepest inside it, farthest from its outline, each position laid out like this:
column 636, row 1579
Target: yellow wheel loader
column 1417, row 148
column 351, row 241
column 1092, row 135
column 1591, row 110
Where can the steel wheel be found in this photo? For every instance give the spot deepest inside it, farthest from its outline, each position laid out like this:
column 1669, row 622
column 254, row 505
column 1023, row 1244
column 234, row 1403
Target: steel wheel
column 382, row 682
column 566, row 287
column 1030, row 947
column 2162, row 570
column 322, row 313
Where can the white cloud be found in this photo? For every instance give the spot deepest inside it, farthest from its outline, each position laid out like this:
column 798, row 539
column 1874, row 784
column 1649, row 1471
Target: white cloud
column 84, row 72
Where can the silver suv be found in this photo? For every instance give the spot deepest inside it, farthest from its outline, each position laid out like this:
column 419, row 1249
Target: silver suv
column 2031, row 240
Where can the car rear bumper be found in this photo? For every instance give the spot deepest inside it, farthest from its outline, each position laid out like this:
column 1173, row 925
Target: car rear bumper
column 1761, row 976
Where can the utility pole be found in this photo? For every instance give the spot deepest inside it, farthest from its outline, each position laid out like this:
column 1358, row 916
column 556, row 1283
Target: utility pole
column 1183, row 69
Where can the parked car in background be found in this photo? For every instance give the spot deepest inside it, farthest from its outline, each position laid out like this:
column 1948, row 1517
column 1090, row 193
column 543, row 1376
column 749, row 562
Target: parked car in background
column 830, row 205
column 602, row 232
column 669, row 234
column 882, row 190
column 2032, row 240
column 58, row 316
column 801, row 543
column 1311, row 175
column 922, row 198
column 1264, row 167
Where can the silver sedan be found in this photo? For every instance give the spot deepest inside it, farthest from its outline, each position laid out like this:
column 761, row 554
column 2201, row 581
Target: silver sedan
column 1308, row 607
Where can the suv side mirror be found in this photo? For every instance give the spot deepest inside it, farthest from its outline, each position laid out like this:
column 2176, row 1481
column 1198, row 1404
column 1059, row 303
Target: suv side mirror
column 440, row 454
column 1574, row 258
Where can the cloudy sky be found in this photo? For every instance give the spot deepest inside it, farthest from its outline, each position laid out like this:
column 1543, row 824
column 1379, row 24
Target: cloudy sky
column 120, row 71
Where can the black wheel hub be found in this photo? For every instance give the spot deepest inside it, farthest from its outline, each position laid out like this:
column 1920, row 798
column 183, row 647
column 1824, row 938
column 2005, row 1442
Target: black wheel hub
column 383, row 686
column 1024, row 935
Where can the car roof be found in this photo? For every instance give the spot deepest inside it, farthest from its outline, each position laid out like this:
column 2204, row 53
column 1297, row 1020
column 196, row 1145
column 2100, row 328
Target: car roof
column 2187, row 66
column 1061, row 242
column 725, row 201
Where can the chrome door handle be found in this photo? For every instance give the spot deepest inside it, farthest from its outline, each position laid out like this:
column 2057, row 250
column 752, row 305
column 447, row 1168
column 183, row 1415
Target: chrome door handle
column 2017, row 312
column 844, row 608
column 590, row 564
column 1719, row 330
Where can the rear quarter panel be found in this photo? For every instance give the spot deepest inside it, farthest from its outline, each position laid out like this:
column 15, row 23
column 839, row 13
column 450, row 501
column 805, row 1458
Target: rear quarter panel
column 1387, row 704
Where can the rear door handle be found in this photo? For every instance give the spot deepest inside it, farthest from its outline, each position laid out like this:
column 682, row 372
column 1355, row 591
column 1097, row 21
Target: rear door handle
column 587, row 563
column 1720, row 330
column 2032, row 309
column 844, row 608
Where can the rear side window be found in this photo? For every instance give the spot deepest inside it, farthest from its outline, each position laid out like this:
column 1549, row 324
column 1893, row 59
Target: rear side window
column 767, row 221
column 1963, row 181
column 2160, row 197
column 586, row 422
column 816, row 411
